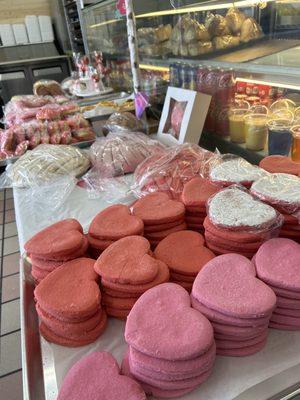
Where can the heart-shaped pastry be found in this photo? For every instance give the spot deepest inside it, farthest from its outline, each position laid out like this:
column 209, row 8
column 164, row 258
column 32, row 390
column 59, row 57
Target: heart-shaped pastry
column 97, row 376
column 127, row 261
column 57, row 240
column 115, row 222
column 278, row 263
column 227, row 284
column 234, row 208
column 197, row 191
column 162, row 324
column 71, row 291
column 158, row 208
column 280, row 164
column 184, row 252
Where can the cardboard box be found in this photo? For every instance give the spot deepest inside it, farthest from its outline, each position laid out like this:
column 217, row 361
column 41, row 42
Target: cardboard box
column 183, row 116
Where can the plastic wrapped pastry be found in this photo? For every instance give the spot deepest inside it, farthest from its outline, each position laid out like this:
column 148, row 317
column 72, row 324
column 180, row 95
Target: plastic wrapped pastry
column 195, row 31
column 198, row 48
column 47, row 87
column 216, row 25
column 151, row 36
column 222, row 42
column 250, row 30
column 163, row 32
column 235, row 19
column 123, row 122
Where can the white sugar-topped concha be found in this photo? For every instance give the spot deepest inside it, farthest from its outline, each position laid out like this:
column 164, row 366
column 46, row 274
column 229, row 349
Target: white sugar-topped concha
column 236, row 170
column 236, row 209
column 282, row 189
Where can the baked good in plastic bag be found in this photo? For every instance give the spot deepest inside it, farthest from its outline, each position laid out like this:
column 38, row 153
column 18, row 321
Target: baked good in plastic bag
column 49, row 112
column 216, row 25
column 223, row 42
column 198, row 48
column 46, row 87
column 195, row 31
column 282, row 191
column 117, row 155
column 235, row 19
column 235, row 209
column 250, row 30
column 120, row 122
column 229, row 169
column 168, row 172
column 46, row 163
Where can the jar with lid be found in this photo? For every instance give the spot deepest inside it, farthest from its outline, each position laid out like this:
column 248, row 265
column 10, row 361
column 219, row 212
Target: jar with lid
column 237, row 124
column 279, row 135
column 295, row 130
column 256, row 131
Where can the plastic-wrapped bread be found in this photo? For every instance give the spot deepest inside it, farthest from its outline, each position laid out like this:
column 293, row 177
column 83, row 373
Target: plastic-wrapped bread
column 151, row 36
column 47, row 87
column 163, row 32
column 222, row 42
column 195, row 31
column 216, row 25
column 250, row 30
column 235, row 19
column 198, row 48
column 183, row 50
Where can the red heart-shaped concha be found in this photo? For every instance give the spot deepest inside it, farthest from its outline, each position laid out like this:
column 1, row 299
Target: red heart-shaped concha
column 115, row 222
column 127, row 261
column 162, row 324
column 57, row 240
column 197, row 191
column 227, row 284
column 158, row 208
column 71, row 291
column 184, row 252
column 278, row 263
column 97, row 376
column 280, row 164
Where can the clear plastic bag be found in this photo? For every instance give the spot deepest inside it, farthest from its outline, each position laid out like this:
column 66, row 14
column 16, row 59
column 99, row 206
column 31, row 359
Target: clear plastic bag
column 46, row 87
column 235, row 209
column 168, row 172
column 45, row 164
column 230, row 169
column 282, row 191
column 120, row 122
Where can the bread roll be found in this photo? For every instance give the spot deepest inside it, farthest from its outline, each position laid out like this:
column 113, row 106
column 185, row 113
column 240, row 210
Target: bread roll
column 235, row 19
column 198, row 48
column 216, row 25
column 163, row 32
column 195, row 32
column 223, row 42
column 250, row 30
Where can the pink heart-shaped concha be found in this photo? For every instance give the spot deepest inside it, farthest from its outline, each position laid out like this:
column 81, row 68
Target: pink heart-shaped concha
column 128, row 261
column 278, row 263
column 97, row 376
column 158, row 208
column 162, row 324
column 227, row 284
column 58, row 239
column 71, row 291
column 197, row 191
column 115, row 222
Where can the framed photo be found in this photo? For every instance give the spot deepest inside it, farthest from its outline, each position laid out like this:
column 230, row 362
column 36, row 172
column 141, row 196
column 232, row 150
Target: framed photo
column 183, row 116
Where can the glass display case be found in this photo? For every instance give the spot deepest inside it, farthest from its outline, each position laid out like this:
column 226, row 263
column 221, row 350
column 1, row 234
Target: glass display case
column 245, row 54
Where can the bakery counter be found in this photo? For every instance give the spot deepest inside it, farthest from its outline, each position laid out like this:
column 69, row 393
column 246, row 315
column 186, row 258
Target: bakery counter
column 270, row 374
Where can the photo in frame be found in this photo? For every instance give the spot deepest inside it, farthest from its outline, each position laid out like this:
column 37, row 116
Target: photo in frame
column 183, row 116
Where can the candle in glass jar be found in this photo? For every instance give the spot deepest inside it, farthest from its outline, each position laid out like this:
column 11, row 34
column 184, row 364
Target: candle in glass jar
column 256, row 131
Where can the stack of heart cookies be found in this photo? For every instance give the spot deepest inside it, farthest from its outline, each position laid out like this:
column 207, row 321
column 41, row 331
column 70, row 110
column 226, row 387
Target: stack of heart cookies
column 282, row 164
column 127, row 269
column 110, row 225
column 171, row 346
column 238, row 223
column 277, row 264
column 185, row 255
column 282, row 191
column 238, row 305
column 97, row 376
column 234, row 170
column 69, row 304
column 194, row 196
column 161, row 216
column 54, row 245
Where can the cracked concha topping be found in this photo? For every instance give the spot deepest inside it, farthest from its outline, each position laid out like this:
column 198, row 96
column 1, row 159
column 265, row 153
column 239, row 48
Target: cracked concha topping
column 234, row 208
column 236, row 170
column 278, row 189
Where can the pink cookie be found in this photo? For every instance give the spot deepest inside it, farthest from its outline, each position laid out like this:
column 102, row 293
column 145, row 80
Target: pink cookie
column 151, row 390
column 97, row 376
column 290, row 294
column 246, row 351
column 227, row 284
column 157, row 208
column 117, row 312
column 162, row 324
column 285, row 320
column 288, row 312
column 220, row 250
column 284, row 302
column 119, row 303
column 162, row 227
column 275, row 325
column 174, row 367
column 118, row 294
column 115, row 222
column 99, row 244
column 180, row 277
column 197, row 191
column 237, row 331
column 240, row 344
column 46, row 265
column 230, row 244
column 156, row 236
column 277, row 263
column 216, row 316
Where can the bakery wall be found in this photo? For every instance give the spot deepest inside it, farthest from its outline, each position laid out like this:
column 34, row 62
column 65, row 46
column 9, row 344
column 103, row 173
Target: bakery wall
column 13, row 11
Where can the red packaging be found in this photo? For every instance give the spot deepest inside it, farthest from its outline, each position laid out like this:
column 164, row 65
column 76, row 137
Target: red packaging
column 226, row 87
column 201, row 78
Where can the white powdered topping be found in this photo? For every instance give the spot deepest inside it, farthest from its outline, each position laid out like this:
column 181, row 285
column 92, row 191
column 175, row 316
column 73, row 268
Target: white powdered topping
column 236, row 170
column 235, row 208
column 278, row 188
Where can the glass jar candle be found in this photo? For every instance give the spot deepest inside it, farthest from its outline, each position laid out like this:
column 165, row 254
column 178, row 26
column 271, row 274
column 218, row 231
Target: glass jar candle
column 279, row 137
column 236, row 124
column 256, row 131
column 296, row 143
